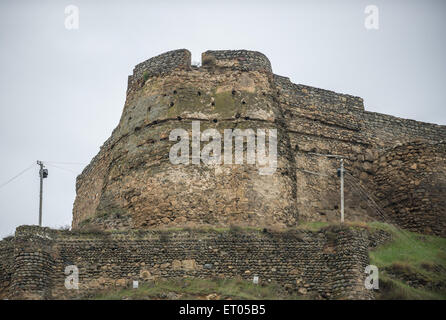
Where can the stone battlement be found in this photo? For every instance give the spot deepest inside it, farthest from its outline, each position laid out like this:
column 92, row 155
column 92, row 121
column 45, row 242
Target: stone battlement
column 131, row 183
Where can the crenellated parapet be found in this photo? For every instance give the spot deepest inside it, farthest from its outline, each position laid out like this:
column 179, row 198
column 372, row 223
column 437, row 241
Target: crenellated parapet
column 161, row 64
column 243, row 60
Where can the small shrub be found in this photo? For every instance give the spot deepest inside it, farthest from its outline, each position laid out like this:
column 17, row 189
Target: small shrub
column 401, row 268
column 91, row 229
column 145, row 76
column 331, row 236
column 234, row 229
column 8, row 238
column 208, row 61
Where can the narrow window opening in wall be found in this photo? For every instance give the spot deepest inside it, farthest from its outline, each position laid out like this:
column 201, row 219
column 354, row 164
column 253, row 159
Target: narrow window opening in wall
column 149, row 109
column 213, row 103
column 215, row 121
column 199, row 93
column 233, row 92
column 172, row 104
column 174, row 91
column 336, row 207
column 130, row 118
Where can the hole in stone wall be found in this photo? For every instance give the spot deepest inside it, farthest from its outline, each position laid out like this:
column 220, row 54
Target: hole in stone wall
column 246, row 118
column 174, row 91
column 213, row 103
column 199, row 93
column 171, row 104
column 237, row 115
column 214, row 121
column 243, row 102
column 233, row 92
column 178, row 118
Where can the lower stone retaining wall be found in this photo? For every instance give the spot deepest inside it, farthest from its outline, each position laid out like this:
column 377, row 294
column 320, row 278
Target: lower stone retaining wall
column 328, row 263
column 6, row 260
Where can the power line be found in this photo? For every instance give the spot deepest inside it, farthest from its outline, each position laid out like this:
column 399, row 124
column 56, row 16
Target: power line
column 315, row 173
column 60, row 168
column 67, row 163
column 16, row 176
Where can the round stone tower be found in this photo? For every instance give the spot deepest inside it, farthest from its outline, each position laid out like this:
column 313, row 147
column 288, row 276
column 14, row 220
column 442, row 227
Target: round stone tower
column 133, row 183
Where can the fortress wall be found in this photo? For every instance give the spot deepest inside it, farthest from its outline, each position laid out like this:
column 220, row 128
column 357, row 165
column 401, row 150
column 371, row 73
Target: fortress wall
column 145, row 188
column 6, row 265
column 243, row 60
column 385, row 130
column 161, row 64
column 89, row 186
column 324, row 122
column 140, row 188
column 329, row 263
column 410, row 183
column 131, row 182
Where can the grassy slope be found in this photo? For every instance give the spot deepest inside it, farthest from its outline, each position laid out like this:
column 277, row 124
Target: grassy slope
column 413, row 255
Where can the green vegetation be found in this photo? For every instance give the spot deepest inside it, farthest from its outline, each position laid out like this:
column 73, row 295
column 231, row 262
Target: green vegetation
column 199, row 289
column 410, row 257
column 145, row 76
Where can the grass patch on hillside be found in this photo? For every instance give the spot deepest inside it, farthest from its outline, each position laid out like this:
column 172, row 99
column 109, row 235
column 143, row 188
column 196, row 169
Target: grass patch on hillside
column 186, row 289
column 394, row 289
column 409, row 255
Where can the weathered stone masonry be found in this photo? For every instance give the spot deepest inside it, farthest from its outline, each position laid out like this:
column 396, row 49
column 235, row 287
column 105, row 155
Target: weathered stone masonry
column 130, row 187
column 131, row 183
column 328, row 263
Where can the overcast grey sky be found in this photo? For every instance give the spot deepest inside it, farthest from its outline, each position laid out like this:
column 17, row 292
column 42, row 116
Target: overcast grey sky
column 62, row 91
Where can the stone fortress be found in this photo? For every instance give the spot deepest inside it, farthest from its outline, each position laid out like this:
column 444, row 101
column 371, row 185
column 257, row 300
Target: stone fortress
column 395, row 172
column 132, row 184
